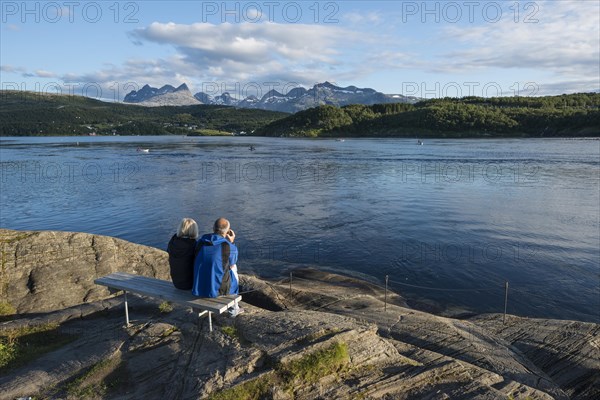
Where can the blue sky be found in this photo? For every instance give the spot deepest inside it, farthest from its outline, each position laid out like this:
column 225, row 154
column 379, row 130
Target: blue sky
column 420, row 48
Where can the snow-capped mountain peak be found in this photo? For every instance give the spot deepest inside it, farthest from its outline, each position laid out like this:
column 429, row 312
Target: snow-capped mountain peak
column 296, row 99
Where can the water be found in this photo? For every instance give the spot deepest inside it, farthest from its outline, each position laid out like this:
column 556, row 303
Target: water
column 458, row 217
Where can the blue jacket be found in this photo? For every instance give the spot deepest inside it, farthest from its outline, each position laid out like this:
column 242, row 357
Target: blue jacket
column 208, row 266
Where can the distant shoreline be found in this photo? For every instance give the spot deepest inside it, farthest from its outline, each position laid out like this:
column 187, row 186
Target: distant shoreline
column 315, row 138
column 576, row 115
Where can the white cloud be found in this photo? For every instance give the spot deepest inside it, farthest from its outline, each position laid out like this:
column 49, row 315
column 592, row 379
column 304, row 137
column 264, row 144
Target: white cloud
column 565, row 41
column 584, row 85
column 248, row 50
column 562, row 50
column 40, row 73
column 44, row 74
column 372, row 17
column 11, row 68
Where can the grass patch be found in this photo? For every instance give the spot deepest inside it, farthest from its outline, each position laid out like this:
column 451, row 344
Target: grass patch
column 78, row 388
column 6, row 308
column 251, row 390
column 511, row 397
column 234, row 333
column 230, row 331
column 21, row 345
column 165, row 307
column 168, row 332
column 3, row 282
column 8, row 352
column 314, row 366
column 307, row 370
column 209, row 132
column 97, row 381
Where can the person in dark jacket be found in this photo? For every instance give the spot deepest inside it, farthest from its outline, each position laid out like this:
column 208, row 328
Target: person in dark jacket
column 181, row 251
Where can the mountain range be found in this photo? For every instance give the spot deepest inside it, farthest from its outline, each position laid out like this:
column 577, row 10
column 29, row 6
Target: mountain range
column 165, row 96
column 295, row 100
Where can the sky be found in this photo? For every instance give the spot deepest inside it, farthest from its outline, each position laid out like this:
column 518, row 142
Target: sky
column 428, row 49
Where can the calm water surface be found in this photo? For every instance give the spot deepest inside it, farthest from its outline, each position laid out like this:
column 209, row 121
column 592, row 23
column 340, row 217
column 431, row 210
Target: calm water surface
column 457, row 218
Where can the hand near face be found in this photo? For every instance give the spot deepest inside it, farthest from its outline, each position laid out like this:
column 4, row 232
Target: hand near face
column 230, row 235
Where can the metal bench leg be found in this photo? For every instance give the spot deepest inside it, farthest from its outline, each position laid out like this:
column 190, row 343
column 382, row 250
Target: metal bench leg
column 209, row 318
column 126, row 310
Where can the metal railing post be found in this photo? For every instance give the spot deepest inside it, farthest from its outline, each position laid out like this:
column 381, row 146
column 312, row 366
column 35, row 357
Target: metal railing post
column 126, row 310
column 386, row 290
column 505, row 301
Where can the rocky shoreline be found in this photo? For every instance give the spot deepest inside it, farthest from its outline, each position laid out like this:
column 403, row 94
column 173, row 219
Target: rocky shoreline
column 328, row 337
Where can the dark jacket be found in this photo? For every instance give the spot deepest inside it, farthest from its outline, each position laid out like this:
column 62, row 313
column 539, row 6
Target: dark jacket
column 181, row 261
column 208, row 267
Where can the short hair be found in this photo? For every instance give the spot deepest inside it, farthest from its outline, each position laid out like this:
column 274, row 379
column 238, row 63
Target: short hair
column 187, row 228
column 221, row 226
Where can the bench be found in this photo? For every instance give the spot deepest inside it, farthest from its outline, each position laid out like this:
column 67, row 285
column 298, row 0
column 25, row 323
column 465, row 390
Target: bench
column 165, row 290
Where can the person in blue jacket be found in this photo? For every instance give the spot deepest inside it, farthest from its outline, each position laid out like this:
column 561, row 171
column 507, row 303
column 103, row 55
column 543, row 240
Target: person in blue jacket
column 215, row 269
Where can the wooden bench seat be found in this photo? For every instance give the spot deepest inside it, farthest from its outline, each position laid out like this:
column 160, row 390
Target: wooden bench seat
column 165, row 290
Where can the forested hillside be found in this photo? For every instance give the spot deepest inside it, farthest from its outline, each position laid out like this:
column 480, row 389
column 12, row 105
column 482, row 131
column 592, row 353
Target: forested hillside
column 566, row 115
column 29, row 114
column 34, row 114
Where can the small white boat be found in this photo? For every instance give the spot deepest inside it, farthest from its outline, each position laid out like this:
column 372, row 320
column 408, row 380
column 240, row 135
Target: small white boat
column 340, row 140
column 140, row 150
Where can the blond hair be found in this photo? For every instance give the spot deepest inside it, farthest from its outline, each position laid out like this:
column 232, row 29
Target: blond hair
column 187, row 228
